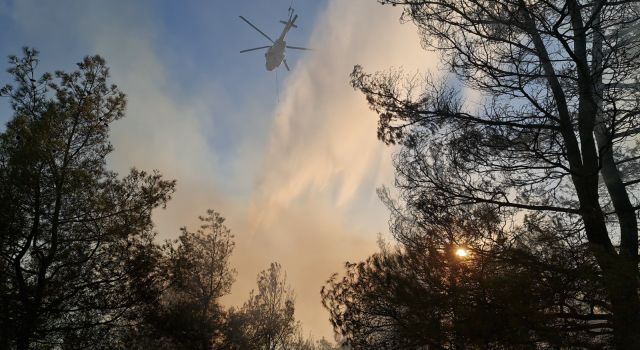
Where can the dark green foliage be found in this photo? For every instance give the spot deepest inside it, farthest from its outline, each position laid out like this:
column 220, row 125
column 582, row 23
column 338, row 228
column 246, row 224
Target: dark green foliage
column 197, row 273
column 503, row 298
column 76, row 241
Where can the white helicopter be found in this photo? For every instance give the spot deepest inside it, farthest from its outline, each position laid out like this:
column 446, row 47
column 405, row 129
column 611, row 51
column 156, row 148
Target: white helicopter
column 275, row 52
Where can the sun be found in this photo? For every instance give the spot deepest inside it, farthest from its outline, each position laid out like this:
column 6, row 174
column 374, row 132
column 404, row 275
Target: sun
column 462, row 253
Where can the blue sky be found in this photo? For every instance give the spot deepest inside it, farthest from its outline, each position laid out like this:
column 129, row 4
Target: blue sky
column 295, row 176
column 193, row 40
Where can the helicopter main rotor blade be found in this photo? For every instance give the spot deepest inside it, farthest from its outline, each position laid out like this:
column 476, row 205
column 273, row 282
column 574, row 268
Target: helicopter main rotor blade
column 286, row 65
column 255, row 48
column 298, row 48
column 256, row 28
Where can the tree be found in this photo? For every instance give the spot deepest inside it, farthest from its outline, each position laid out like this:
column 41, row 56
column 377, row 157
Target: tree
column 266, row 321
column 76, row 242
column 554, row 133
column 189, row 315
column 422, row 295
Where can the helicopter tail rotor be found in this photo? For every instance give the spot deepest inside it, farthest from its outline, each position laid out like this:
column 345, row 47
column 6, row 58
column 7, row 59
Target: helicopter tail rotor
column 285, row 23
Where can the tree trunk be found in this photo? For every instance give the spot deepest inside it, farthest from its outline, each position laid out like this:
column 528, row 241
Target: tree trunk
column 620, row 280
column 623, row 290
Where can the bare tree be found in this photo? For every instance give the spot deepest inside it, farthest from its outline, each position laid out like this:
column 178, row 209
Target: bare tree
column 555, row 132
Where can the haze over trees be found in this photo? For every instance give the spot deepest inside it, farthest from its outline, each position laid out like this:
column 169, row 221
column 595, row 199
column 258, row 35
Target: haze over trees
column 188, row 313
column 539, row 179
column 79, row 264
column 266, row 320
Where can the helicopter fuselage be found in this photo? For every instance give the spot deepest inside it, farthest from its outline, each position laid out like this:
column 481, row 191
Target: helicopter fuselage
column 275, row 55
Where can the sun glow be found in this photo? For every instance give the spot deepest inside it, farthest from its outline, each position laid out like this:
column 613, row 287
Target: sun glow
column 462, row 253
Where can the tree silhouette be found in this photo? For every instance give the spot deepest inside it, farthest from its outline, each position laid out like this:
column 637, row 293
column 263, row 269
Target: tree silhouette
column 501, row 297
column 76, row 241
column 554, row 133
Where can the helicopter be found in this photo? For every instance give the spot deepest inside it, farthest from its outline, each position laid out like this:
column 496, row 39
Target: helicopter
column 275, row 53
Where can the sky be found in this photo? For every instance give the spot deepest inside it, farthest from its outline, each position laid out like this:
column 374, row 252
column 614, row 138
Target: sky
column 291, row 159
